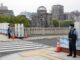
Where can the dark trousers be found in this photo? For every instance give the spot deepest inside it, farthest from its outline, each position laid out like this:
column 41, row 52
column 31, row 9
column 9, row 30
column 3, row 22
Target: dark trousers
column 9, row 35
column 72, row 47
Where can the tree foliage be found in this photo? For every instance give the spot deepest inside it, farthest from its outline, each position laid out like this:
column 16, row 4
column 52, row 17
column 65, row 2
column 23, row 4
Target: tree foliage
column 66, row 23
column 15, row 20
column 55, row 22
column 61, row 23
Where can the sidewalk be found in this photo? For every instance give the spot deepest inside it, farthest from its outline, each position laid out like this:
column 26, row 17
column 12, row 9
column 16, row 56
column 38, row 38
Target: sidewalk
column 43, row 37
column 39, row 54
column 5, row 38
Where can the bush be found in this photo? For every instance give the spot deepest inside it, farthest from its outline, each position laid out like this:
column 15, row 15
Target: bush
column 66, row 23
column 61, row 23
column 55, row 23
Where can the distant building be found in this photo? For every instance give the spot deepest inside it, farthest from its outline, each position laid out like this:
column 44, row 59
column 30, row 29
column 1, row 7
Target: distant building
column 4, row 11
column 58, row 12
column 75, row 15
column 66, row 16
column 41, row 18
column 44, row 19
column 27, row 14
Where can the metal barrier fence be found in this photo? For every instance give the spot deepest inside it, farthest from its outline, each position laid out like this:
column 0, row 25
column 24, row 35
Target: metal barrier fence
column 46, row 31
column 42, row 31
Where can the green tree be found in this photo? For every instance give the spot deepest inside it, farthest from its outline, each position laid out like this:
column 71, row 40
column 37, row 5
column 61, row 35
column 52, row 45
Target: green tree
column 66, row 23
column 15, row 19
column 22, row 19
column 55, row 22
column 61, row 23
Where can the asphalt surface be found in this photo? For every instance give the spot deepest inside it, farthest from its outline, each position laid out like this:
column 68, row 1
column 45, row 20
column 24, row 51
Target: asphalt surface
column 49, row 42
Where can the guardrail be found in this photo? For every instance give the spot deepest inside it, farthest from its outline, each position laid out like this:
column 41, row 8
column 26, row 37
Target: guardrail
column 41, row 31
column 46, row 31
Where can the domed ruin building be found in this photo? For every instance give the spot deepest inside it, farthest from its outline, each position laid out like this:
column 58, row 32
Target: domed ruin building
column 41, row 18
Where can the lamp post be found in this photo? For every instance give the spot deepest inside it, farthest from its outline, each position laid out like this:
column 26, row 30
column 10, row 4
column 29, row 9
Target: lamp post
column 59, row 24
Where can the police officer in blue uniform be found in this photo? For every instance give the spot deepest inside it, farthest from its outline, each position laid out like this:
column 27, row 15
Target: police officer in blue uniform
column 9, row 32
column 72, row 40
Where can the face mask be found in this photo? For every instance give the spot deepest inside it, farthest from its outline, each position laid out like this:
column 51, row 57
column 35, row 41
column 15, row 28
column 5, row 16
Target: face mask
column 69, row 27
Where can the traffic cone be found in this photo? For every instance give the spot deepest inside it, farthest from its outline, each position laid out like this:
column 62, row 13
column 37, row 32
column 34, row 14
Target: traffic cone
column 13, row 36
column 58, row 48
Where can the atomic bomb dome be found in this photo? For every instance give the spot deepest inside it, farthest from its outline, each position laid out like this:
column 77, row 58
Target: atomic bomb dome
column 41, row 8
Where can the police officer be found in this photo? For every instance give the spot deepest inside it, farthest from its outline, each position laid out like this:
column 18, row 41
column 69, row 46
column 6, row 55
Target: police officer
column 9, row 32
column 72, row 40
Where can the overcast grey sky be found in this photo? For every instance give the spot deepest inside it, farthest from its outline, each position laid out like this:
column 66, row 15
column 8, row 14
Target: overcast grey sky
column 31, row 5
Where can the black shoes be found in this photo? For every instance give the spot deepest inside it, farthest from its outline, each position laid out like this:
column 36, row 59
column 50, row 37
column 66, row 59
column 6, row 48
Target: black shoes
column 73, row 56
column 69, row 55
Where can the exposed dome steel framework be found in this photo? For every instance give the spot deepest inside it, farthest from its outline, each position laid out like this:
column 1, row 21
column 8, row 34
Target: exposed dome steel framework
column 41, row 8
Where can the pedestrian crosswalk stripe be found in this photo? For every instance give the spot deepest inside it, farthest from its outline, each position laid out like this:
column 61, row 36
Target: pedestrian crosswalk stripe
column 20, row 45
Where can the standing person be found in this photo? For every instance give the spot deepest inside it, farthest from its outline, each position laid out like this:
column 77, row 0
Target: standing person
column 72, row 40
column 9, row 32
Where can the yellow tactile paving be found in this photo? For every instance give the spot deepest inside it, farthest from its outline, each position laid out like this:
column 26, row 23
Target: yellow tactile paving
column 40, row 52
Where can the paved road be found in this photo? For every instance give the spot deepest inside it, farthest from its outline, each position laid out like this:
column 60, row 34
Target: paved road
column 49, row 42
column 20, row 45
column 16, row 46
